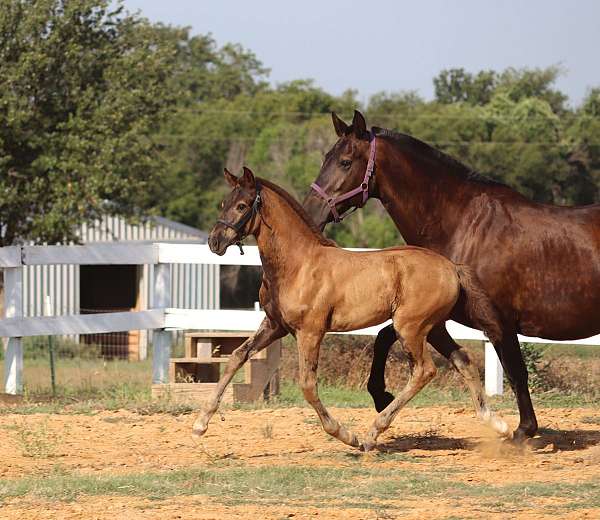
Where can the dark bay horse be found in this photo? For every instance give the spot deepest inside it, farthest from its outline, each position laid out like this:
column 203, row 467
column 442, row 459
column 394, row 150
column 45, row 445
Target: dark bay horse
column 539, row 263
column 310, row 287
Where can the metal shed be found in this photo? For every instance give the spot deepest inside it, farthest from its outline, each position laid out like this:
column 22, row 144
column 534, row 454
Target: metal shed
column 74, row 289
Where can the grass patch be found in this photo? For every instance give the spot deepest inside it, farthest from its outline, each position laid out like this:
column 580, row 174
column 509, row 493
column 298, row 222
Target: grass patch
column 344, row 397
column 36, row 441
column 348, row 487
column 124, row 395
column 591, row 419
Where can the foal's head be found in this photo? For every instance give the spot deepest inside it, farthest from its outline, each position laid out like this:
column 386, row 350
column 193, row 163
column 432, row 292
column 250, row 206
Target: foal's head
column 238, row 211
column 343, row 169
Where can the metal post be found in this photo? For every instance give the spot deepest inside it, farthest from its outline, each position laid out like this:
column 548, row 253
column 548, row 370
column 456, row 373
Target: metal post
column 161, row 339
column 494, row 375
column 13, row 308
column 48, row 312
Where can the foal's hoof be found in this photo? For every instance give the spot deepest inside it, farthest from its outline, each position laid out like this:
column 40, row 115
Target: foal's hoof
column 199, row 429
column 366, row 446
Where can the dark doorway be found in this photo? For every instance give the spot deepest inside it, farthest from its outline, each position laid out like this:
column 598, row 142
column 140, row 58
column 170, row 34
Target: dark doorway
column 110, row 288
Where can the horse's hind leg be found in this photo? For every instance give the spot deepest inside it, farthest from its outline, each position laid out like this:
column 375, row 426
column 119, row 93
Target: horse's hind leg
column 308, row 352
column 268, row 332
column 422, row 370
column 460, row 360
column 376, row 385
column 509, row 352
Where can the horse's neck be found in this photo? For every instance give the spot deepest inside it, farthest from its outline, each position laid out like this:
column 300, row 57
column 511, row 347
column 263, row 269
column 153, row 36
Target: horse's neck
column 425, row 203
column 283, row 238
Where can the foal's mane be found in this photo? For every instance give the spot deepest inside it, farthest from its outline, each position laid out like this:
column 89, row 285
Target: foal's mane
column 455, row 167
column 298, row 209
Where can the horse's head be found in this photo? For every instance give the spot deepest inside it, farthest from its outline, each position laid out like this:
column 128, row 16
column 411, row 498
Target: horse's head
column 238, row 209
column 343, row 170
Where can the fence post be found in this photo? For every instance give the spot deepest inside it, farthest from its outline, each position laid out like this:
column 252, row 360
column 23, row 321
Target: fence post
column 494, row 375
column 161, row 339
column 13, row 308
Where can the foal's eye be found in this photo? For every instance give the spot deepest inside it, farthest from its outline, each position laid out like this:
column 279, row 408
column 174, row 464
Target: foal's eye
column 241, row 207
column 345, row 163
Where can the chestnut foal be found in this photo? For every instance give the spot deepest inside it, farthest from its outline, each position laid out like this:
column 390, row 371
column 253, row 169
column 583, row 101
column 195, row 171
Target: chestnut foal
column 310, row 287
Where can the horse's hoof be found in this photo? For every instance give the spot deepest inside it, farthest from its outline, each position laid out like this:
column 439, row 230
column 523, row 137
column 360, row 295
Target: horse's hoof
column 522, row 435
column 382, row 403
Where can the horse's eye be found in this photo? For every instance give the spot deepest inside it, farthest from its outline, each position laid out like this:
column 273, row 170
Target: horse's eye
column 345, row 163
column 241, row 207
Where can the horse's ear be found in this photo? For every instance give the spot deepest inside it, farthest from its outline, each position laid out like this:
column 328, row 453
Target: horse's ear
column 359, row 125
column 230, row 178
column 248, row 181
column 340, row 127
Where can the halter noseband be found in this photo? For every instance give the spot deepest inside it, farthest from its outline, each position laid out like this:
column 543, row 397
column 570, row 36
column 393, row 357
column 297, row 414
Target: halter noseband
column 363, row 188
column 239, row 225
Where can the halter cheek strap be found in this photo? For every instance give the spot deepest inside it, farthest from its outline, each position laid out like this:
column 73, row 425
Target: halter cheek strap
column 239, row 225
column 363, row 188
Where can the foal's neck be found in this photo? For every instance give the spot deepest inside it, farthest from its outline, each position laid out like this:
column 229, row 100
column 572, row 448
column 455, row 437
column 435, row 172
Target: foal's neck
column 284, row 239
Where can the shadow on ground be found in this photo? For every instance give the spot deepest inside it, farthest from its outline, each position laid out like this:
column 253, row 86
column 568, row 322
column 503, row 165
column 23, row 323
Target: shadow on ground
column 425, row 442
column 564, row 440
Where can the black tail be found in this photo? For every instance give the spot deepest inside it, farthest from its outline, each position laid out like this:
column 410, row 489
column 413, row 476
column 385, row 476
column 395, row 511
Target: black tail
column 479, row 308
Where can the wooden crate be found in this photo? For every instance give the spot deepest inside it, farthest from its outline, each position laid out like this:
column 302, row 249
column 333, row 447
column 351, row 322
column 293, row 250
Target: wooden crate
column 194, row 377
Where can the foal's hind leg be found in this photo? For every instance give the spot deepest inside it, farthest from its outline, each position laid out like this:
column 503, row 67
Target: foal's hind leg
column 460, row 360
column 308, row 352
column 412, row 337
column 376, row 385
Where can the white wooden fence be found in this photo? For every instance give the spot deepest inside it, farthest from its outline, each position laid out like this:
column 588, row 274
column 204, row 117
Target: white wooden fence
column 161, row 317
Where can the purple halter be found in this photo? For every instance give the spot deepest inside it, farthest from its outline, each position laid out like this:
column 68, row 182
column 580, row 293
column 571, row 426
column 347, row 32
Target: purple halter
column 363, row 188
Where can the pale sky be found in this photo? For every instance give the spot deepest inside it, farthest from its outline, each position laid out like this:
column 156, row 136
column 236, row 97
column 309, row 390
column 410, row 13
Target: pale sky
column 398, row 45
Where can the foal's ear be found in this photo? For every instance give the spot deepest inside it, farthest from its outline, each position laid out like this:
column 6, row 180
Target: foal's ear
column 248, row 181
column 230, row 178
column 340, row 127
column 359, row 125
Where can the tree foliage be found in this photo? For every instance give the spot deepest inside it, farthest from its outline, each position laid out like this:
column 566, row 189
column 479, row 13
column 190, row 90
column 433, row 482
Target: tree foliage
column 104, row 112
column 83, row 87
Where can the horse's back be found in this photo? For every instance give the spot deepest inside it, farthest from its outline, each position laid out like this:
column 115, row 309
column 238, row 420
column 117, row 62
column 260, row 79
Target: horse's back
column 541, row 261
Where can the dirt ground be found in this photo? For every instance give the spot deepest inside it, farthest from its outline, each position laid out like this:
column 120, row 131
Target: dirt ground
column 442, row 440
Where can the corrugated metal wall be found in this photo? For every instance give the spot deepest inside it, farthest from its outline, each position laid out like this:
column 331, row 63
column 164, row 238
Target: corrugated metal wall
column 193, row 286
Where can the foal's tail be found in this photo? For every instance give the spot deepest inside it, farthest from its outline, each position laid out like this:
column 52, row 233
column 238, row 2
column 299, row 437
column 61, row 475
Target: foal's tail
column 478, row 306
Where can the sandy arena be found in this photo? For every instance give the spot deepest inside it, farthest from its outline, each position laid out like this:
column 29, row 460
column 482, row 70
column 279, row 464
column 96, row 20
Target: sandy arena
column 441, row 441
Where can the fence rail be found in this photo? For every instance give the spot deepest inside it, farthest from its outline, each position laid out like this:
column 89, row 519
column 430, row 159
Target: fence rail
column 161, row 317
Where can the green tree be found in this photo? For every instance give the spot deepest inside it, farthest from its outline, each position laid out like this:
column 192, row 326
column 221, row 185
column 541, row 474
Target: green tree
column 583, row 137
column 82, row 88
column 457, row 85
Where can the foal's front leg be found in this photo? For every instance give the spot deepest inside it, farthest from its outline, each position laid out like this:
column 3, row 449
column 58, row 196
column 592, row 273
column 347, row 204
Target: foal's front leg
column 308, row 351
column 268, row 332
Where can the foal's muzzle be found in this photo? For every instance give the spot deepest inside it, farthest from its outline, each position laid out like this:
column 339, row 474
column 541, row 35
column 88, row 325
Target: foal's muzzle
column 217, row 242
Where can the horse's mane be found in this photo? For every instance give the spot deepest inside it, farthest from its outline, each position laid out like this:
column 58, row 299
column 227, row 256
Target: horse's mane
column 454, row 166
column 299, row 210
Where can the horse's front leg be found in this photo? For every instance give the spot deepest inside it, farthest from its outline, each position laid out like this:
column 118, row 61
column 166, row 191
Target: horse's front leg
column 268, row 332
column 308, row 351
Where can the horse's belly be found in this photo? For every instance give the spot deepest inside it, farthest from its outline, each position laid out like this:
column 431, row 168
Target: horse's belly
column 564, row 316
